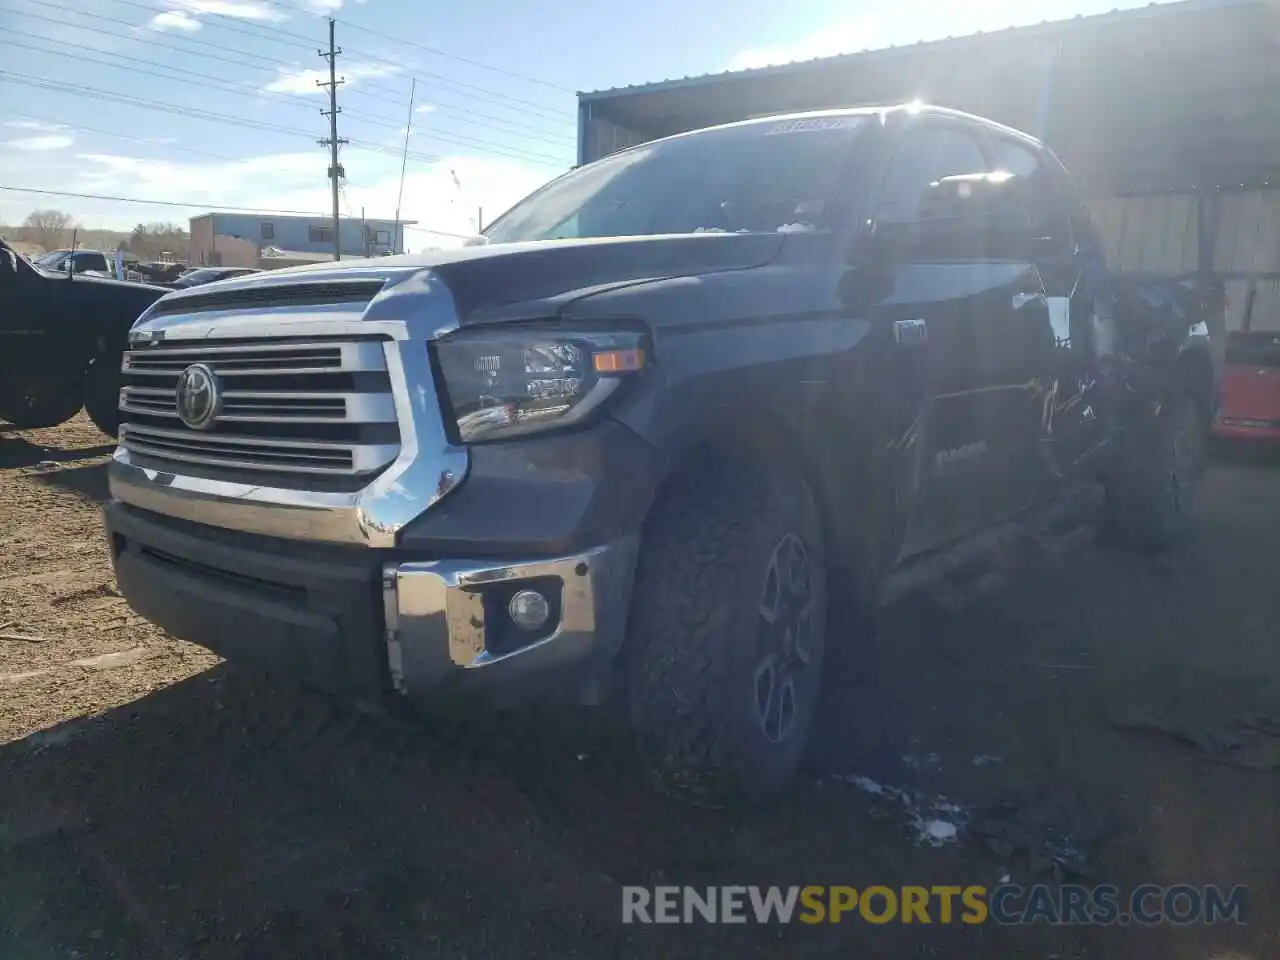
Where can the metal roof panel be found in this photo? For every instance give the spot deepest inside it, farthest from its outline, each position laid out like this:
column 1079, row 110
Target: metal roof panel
column 1171, row 8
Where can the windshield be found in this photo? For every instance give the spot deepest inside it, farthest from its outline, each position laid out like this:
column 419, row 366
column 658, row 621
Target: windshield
column 758, row 177
column 201, row 276
column 53, row 259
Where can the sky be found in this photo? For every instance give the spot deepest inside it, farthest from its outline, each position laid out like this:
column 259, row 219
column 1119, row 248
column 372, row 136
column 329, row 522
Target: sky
column 199, row 103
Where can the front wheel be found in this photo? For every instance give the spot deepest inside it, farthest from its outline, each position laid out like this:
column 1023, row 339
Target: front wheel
column 32, row 404
column 1151, row 495
column 102, row 395
column 726, row 638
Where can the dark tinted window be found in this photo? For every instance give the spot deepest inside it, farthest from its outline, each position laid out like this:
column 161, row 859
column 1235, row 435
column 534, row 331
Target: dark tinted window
column 927, row 152
column 1013, row 157
column 760, row 177
column 1049, row 209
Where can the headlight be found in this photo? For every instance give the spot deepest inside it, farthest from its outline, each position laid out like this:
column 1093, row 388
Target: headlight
column 519, row 379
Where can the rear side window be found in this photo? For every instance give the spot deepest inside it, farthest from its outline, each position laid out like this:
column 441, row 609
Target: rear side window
column 926, row 153
column 1013, row 157
column 1048, row 204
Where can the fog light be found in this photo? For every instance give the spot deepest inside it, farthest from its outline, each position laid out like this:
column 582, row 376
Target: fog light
column 529, row 609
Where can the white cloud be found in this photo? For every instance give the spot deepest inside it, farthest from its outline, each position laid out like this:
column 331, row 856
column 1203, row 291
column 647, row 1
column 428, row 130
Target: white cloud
column 865, row 33
column 305, row 80
column 48, row 142
column 257, row 10
column 425, row 108
column 174, row 20
column 38, row 125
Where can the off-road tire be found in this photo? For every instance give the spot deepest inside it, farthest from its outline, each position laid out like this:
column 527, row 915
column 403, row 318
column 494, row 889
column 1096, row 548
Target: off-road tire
column 696, row 630
column 32, row 406
column 1151, row 494
column 102, row 395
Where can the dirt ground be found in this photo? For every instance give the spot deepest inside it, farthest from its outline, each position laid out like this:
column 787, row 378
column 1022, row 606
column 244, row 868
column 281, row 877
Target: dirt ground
column 1115, row 716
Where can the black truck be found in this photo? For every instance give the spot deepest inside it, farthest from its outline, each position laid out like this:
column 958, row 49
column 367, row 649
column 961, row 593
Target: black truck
column 630, row 446
column 62, row 335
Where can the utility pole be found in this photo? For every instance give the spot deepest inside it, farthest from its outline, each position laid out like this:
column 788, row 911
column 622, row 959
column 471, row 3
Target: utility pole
column 335, row 171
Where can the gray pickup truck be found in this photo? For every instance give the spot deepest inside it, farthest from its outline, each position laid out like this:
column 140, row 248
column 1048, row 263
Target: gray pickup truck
column 629, row 447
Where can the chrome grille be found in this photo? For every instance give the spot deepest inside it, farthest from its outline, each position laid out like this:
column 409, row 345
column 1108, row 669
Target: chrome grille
column 257, row 359
column 289, row 410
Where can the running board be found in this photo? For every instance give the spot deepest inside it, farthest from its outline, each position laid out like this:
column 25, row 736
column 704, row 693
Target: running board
column 976, row 567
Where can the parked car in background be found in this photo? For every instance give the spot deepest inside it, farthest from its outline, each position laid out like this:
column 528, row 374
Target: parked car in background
column 61, row 339
column 199, row 276
column 1251, row 387
column 77, row 261
column 155, row 271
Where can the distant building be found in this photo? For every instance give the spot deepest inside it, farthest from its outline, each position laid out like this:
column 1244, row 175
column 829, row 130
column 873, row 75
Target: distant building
column 240, row 239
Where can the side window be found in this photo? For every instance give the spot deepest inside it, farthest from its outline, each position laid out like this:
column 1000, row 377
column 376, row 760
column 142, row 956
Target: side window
column 1048, row 208
column 925, row 153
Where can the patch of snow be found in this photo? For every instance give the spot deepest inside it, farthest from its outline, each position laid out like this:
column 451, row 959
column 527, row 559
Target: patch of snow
column 940, row 831
column 934, row 819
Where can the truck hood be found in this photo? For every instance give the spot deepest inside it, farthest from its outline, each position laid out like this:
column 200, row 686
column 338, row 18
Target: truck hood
column 538, row 279
column 102, row 283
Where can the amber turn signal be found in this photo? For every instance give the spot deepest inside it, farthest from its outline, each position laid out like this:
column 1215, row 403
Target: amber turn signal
column 618, row 361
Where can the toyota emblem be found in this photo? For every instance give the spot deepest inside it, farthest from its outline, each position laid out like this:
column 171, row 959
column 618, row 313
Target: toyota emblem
column 199, row 396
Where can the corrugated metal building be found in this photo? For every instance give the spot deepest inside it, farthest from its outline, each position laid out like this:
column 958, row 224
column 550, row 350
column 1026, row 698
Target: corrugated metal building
column 1166, row 114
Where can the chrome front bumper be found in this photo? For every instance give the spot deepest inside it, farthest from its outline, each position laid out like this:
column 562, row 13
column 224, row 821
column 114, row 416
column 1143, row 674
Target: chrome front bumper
column 442, row 621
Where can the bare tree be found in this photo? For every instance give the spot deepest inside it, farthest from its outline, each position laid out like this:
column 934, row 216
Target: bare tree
column 154, row 239
column 49, row 228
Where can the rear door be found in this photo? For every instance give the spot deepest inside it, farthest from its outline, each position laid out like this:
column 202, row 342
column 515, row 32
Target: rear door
column 1070, row 432
column 957, row 362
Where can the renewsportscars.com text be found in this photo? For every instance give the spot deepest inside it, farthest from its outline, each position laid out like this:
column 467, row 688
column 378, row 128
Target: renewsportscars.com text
column 1007, row 904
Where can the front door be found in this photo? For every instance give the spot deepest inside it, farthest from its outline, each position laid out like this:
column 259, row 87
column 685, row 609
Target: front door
column 962, row 355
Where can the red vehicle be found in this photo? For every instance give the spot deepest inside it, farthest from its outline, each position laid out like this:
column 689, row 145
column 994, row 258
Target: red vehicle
column 1250, row 407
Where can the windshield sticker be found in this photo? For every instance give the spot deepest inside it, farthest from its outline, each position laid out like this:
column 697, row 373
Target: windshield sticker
column 807, row 124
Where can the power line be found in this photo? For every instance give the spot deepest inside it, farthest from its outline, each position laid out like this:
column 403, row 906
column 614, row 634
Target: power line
column 200, row 205
column 81, row 128
column 197, row 79
column 292, row 39
column 420, row 46
column 460, row 59
column 483, row 93
column 369, row 145
column 480, row 93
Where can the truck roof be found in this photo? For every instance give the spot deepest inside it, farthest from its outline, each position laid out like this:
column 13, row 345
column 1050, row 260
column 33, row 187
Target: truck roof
column 883, row 112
